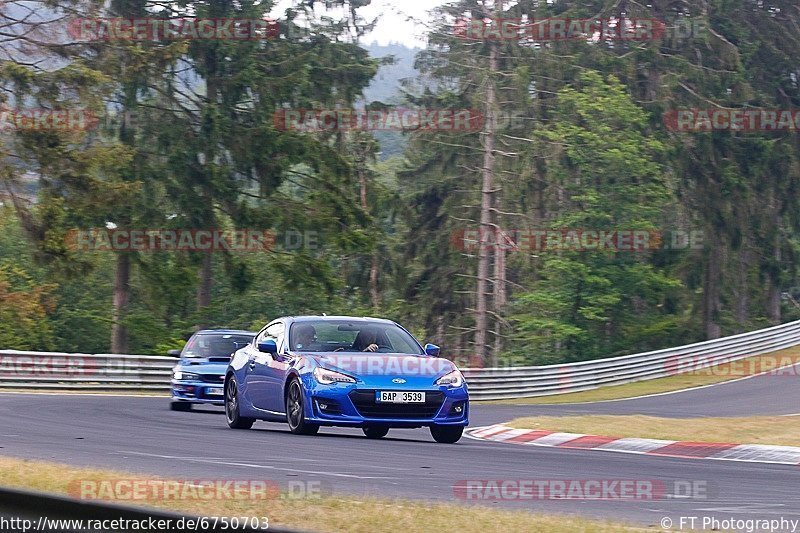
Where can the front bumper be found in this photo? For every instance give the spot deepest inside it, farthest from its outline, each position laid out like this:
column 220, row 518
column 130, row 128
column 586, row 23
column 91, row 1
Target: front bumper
column 199, row 392
column 354, row 405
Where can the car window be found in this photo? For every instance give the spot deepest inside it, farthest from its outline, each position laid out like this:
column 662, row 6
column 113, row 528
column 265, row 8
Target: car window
column 260, row 337
column 214, row 344
column 351, row 336
column 274, row 332
column 400, row 342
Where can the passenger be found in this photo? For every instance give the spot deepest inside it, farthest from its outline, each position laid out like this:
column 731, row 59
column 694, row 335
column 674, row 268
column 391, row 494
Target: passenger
column 305, row 336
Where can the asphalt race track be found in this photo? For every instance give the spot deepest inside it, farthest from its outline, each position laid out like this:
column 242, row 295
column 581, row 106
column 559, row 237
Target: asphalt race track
column 141, row 435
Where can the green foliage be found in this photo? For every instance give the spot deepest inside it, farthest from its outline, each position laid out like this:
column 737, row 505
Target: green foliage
column 587, row 148
column 24, row 306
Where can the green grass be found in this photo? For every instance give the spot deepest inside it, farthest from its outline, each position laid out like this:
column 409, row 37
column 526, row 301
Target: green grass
column 774, row 430
column 368, row 514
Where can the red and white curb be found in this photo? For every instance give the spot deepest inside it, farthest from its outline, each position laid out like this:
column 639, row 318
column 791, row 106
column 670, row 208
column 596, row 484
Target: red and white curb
column 751, row 453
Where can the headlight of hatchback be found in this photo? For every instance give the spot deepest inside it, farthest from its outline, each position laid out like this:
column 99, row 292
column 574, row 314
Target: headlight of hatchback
column 328, row 377
column 185, row 376
column 452, row 379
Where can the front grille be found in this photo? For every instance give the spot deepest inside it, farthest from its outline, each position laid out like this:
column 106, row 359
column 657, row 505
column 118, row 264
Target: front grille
column 364, row 400
column 212, row 378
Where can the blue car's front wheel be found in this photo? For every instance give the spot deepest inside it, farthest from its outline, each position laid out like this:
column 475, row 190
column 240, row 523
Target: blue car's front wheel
column 180, row 406
column 235, row 420
column 295, row 411
column 447, row 434
column 375, row 432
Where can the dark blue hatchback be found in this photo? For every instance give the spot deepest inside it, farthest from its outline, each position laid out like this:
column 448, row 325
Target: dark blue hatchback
column 199, row 376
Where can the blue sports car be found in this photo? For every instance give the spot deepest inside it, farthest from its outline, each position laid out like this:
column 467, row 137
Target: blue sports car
column 198, row 376
column 341, row 371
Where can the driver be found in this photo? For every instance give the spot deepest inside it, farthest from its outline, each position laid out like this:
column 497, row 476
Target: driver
column 368, row 339
column 305, row 336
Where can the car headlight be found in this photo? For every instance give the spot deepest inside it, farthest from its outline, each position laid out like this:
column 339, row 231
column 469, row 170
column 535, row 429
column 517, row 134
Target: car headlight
column 185, row 376
column 452, row 379
column 327, row 377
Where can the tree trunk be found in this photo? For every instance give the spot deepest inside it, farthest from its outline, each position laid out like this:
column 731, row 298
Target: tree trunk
column 711, row 292
column 207, row 195
column 487, row 195
column 204, row 285
column 373, row 282
column 774, row 276
column 774, row 302
column 742, row 290
column 122, row 291
column 374, row 295
column 499, row 293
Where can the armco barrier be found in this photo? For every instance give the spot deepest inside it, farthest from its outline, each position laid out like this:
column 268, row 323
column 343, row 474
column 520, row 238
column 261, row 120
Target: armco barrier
column 84, row 372
column 532, row 381
column 88, row 372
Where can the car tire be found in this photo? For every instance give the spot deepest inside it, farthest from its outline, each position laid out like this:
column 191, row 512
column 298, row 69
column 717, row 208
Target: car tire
column 295, row 411
column 375, row 432
column 234, row 419
column 447, row 434
column 180, row 406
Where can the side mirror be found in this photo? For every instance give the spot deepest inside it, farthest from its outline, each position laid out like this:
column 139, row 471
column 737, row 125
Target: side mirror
column 268, row 346
column 174, row 353
column 432, row 349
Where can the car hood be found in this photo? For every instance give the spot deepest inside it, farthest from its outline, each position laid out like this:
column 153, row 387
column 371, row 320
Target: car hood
column 393, row 365
column 203, row 366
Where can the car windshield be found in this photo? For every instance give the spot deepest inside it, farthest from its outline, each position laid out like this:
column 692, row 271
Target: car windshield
column 352, row 336
column 215, row 344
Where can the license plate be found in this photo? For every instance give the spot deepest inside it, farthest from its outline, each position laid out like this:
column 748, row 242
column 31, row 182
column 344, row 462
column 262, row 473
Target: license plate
column 399, row 397
column 214, row 391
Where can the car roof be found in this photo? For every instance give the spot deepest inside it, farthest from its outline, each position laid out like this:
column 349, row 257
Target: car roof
column 309, row 318
column 224, row 332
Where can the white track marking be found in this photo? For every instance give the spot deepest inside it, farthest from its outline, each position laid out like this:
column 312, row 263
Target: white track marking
column 635, row 445
column 554, row 439
column 743, row 453
column 788, row 454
